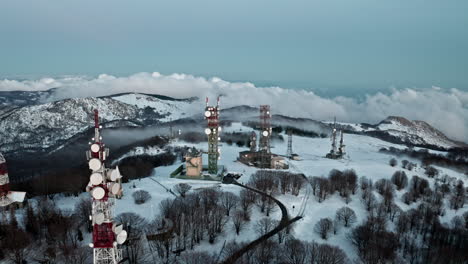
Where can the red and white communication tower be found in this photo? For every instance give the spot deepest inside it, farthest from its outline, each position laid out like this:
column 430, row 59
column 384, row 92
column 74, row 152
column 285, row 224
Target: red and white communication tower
column 104, row 186
column 7, row 197
column 212, row 131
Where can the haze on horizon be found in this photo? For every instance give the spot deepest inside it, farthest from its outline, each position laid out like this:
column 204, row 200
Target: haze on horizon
column 341, row 47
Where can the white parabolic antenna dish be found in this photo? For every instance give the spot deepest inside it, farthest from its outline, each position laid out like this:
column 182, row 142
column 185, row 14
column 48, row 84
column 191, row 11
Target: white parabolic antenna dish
column 265, row 133
column 118, row 229
column 95, row 148
column 99, row 218
column 207, row 113
column 115, row 174
column 98, row 193
column 207, row 131
column 94, row 164
column 115, row 188
column 96, row 178
column 121, row 237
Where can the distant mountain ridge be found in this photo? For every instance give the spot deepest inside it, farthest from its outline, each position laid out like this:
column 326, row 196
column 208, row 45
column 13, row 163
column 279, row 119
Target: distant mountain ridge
column 400, row 130
column 44, row 126
column 40, row 127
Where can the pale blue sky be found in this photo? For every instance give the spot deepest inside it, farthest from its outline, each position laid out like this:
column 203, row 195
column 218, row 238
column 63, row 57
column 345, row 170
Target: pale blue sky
column 339, row 46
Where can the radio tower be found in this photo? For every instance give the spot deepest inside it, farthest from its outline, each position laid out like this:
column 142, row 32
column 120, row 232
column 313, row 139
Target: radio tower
column 289, row 152
column 333, row 150
column 265, row 127
column 4, row 183
column 7, row 196
column 104, row 186
column 212, row 131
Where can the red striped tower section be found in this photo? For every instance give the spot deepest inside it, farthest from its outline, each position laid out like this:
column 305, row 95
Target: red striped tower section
column 4, row 183
column 212, row 131
column 8, row 197
column 104, row 186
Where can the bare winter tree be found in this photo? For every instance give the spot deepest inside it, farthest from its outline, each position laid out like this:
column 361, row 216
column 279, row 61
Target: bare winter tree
column 314, row 183
column 17, row 246
column 197, row 258
column 369, row 200
column 365, row 183
column 133, row 249
column 247, row 199
column 264, row 226
column 457, row 199
column 346, row 216
column 330, row 254
column 404, row 163
column 431, row 172
column 324, row 189
column 82, row 212
column 238, row 221
column 229, row 201
column 182, row 188
column 400, row 179
column 294, row 252
column 141, row 196
column 323, row 227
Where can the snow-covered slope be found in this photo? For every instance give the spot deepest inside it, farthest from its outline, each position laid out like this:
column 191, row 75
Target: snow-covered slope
column 46, row 125
column 363, row 156
column 401, row 130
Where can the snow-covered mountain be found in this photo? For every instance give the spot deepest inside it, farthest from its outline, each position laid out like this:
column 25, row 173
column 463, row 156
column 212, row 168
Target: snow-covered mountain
column 401, row 130
column 43, row 126
column 28, row 125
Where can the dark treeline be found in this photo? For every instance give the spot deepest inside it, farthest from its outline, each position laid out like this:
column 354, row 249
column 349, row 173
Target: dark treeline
column 54, row 175
column 455, row 158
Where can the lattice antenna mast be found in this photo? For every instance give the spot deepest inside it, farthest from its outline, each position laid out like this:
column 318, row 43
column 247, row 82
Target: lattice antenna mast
column 253, row 142
column 265, row 134
column 333, row 150
column 342, row 146
column 4, row 183
column 212, row 131
column 104, row 186
column 289, row 151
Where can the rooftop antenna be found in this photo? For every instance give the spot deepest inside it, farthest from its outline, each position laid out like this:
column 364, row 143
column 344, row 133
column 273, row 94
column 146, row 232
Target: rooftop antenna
column 104, row 186
column 212, row 131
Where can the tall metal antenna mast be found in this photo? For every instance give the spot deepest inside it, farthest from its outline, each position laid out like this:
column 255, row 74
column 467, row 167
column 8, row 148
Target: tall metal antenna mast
column 104, row 185
column 333, row 150
column 4, row 183
column 289, row 152
column 212, row 131
column 265, row 134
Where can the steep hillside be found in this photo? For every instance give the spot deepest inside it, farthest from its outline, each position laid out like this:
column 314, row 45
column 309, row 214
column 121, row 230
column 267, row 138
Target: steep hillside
column 403, row 131
column 44, row 126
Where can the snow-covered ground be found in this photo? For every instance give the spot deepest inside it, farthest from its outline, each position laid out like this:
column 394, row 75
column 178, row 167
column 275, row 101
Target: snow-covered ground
column 171, row 109
column 362, row 156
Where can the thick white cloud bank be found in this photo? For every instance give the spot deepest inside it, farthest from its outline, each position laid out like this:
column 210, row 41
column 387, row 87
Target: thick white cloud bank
column 445, row 109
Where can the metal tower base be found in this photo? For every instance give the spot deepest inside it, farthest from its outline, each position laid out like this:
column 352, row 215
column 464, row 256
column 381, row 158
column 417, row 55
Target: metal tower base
column 107, row 255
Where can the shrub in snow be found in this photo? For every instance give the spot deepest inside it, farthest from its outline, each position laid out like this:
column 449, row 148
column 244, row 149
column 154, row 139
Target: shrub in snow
column 141, row 196
column 323, row 227
column 393, row 162
column 431, row 172
column 182, row 188
column 346, row 216
column 400, row 179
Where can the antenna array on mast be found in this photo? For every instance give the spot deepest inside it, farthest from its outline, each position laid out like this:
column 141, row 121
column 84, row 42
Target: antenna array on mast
column 104, row 186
